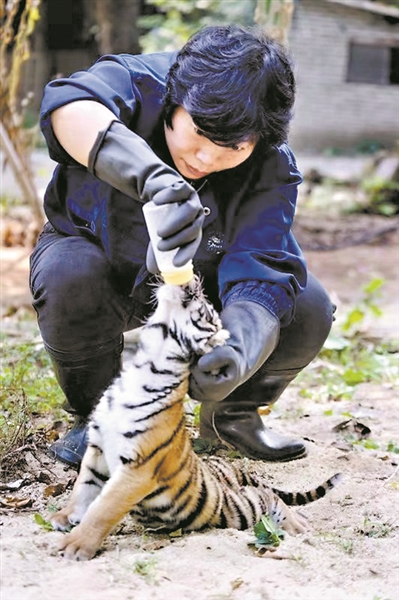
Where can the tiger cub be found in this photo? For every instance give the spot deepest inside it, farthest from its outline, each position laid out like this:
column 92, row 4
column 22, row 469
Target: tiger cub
column 140, row 459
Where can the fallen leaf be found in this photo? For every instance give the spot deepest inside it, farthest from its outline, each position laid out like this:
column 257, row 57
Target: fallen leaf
column 55, row 489
column 12, row 485
column 236, row 583
column 175, row 534
column 43, row 477
column 15, row 502
column 52, row 436
column 264, row 410
column 353, row 426
column 155, row 545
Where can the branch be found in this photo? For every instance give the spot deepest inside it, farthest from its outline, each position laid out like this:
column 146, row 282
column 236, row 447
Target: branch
column 23, row 175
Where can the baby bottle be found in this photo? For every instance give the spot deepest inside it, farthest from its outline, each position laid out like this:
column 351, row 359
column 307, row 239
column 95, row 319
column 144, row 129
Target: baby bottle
column 154, row 216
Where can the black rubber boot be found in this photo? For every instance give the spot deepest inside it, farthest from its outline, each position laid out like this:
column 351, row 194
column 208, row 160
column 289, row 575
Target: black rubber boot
column 71, row 448
column 237, row 423
column 83, row 384
column 242, row 428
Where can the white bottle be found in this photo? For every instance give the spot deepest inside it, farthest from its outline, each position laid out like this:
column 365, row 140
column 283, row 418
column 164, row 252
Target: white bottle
column 154, row 215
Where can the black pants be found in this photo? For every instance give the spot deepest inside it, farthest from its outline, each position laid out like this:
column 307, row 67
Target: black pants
column 83, row 308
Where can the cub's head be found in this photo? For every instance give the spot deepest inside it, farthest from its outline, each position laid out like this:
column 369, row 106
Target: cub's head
column 189, row 316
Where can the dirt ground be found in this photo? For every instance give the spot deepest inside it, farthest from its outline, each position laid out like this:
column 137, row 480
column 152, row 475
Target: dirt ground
column 351, row 550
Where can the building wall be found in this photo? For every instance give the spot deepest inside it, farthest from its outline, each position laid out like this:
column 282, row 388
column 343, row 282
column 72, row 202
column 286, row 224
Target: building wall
column 329, row 111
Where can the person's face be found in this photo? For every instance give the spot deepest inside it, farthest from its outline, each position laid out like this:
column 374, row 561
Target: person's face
column 194, row 155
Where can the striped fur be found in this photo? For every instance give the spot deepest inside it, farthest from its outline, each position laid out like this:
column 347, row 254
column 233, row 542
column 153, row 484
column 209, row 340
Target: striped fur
column 140, row 457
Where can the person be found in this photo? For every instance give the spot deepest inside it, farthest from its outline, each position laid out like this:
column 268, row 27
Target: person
column 203, row 130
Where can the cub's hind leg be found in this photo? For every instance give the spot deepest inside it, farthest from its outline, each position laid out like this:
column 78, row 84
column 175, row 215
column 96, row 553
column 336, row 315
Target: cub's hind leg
column 282, row 515
column 91, row 479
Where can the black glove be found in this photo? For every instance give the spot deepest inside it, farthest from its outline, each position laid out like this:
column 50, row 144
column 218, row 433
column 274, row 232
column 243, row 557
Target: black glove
column 254, row 333
column 182, row 227
column 125, row 161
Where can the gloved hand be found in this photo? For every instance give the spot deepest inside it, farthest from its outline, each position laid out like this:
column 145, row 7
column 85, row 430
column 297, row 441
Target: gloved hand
column 182, row 226
column 125, row 161
column 254, row 332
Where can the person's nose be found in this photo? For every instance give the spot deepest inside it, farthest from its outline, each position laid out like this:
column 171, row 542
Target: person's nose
column 205, row 156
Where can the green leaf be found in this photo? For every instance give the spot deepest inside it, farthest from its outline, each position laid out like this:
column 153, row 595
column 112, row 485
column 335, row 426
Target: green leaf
column 336, row 342
column 352, row 377
column 377, row 312
column 392, row 447
column 348, row 415
column 267, row 533
column 354, row 317
column 202, row 445
column 367, row 444
column 42, row 522
column 374, row 285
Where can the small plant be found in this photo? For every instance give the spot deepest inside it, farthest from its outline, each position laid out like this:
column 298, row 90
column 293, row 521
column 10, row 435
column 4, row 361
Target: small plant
column 15, row 427
column 27, row 390
column 267, row 534
column 367, row 306
column 299, row 559
column 392, row 447
column 348, row 546
column 145, row 567
column 348, row 358
column 375, row 529
column 382, row 196
column 202, row 446
column 27, row 370
column 367, row 444
column 345, row 544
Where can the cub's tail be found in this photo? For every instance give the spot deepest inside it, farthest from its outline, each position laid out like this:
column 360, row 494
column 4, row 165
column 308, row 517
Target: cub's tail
column 298, row 498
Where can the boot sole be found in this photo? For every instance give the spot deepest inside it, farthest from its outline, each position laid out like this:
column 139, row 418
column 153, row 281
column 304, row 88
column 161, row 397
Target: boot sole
column 301, row 453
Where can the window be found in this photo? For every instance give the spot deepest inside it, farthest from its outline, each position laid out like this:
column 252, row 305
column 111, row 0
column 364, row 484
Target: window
column 373, row 64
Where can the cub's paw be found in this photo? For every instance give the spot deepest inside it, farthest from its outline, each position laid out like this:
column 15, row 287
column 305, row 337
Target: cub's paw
column 64, row 519
column 76, row 546
column 294, row 523
column 60, row 521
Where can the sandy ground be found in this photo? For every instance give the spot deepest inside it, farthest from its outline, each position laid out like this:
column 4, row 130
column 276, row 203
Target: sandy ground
column 349, row 553
column 351, row 550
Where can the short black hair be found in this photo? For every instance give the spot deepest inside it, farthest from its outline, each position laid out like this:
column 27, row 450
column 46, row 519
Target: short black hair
column 236, row 83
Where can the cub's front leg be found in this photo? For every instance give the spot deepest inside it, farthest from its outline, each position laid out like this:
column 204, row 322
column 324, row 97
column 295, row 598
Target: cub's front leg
column 92, row 477
column 123, row 490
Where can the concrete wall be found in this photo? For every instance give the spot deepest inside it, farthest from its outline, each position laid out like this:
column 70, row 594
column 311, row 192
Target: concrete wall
column 329, row 111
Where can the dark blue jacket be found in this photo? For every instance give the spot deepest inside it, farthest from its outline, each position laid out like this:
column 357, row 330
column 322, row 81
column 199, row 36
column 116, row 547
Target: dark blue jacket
column 247, row 234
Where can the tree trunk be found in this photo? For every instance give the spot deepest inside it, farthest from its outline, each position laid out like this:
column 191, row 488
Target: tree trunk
column 275, row 17
column 116, row 24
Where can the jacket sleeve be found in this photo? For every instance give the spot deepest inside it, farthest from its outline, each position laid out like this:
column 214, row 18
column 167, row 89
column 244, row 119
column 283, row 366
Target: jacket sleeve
column 115, row 81
column 76, row 201
column 264, row 263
